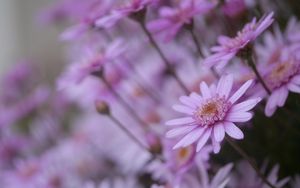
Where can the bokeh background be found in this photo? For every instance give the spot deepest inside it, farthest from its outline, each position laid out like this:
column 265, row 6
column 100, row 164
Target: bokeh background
column 24, row 35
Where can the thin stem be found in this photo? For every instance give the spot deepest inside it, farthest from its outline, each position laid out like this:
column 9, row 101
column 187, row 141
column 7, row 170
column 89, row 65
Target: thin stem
column 165, row 60
column 194, row 37
column 195, row 40
column 125, row 104
column 128, row 133
column 259, row 77
column 250, row 161
column 141, row 86
column 148, row 88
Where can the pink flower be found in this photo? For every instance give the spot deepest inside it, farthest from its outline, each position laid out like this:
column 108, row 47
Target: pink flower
column 229, row 47
column 92, row 61
column 172, row 19
column 211, row 114
column 117, row 14
column 282, row 77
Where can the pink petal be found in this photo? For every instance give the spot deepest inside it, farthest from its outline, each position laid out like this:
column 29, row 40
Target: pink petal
column 219, row 132
column 271, row 104
column 223, row 39
column 189, row 138
column 196, row 97
column 183, row 109
column 282, row 96
column 216, row 145
column 205, row 90
column 225, row 85
column 203, row 139
column 188, row 101
column 265, row 23
column 233, row 131
column 221, row 175
column 179, row 131
column 245, row 106
column 180, row 121
column 238, row 116
column 296, row 80
column 294, row 88
column 240, row 92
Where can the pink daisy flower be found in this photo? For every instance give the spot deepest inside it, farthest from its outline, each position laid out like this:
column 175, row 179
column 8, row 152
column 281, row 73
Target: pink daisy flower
column 211, row 114
column 229, row 47
column 172, row 19
column 131, row 7
column 282, row 77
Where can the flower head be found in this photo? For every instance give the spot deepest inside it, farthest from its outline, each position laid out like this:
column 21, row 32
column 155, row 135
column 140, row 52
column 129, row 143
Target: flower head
column 172, row 19
column 133, row 6
column 212, row 114
column 282, row 77
column 230, row 47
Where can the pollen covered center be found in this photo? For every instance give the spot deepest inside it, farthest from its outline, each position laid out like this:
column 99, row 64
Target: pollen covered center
column 211, row 111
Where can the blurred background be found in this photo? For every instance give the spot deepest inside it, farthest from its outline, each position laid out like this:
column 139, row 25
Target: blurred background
column 24, row 36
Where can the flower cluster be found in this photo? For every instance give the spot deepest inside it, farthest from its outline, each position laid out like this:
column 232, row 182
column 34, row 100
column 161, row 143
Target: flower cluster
column 107, row 121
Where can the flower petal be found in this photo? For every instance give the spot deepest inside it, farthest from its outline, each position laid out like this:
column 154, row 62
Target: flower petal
column 271, row 104
column 205, row 90
column 238, row 116
column 282, row 96
column 296, row 80
column 196, row 97
column 189, row 138
column 216, row 145
column 187, row 101
column 294, row 88
column 240, row 92
column 180, row 121
column 225, row 85
column 245, row 106
column 219, row 132
column 179, row 131
column 233, row 131
column 203, row 139
column 183, row 109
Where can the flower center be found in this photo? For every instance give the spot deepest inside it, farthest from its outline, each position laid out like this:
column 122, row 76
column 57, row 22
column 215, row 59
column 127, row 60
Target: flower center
column 184, row 155
column 211, row 111
column 282, row 73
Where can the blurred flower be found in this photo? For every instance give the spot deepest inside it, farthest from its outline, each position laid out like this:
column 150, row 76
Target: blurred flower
column 230, row 47
column 132, row 6
column 246, row 177
column 172, row 19
column 282, row 77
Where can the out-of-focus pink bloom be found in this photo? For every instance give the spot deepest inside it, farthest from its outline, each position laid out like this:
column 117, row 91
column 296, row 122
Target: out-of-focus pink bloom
column 14, row 112
column 211, row 114
column 126, row 10
column 219, row 180
column 246, row 177
column 282, row 77
column 93, row 61
column 229, row 47
column 172, row 19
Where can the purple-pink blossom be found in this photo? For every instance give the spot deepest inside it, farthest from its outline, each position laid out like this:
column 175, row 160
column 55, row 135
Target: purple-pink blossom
column 171, row 20
column 229, row 47
column 211, row 114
